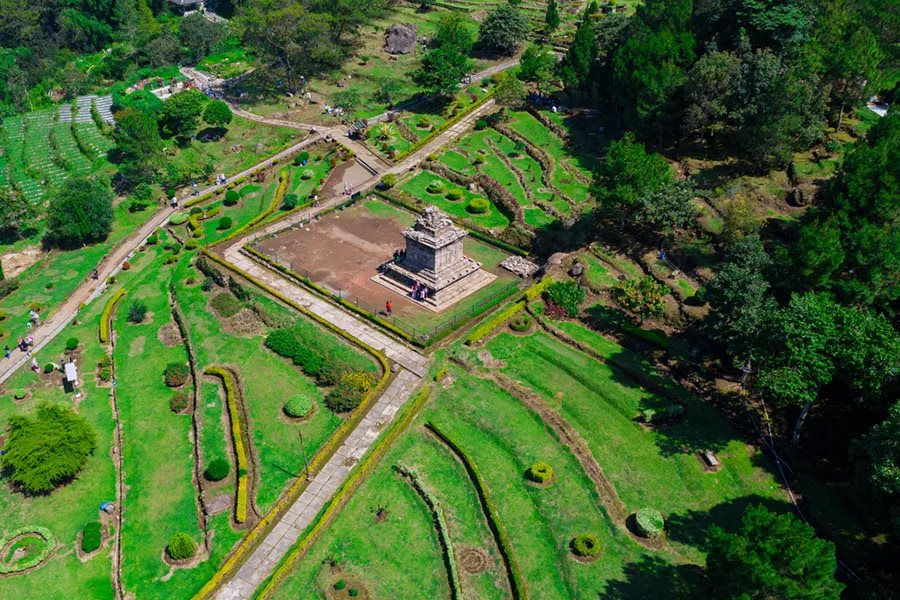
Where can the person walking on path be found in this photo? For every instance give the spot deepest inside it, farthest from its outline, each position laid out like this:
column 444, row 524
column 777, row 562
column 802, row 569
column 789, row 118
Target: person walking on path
column 6, row 352
column 389, row 307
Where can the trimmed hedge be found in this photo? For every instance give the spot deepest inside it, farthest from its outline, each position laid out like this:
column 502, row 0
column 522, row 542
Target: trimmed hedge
column 437, row 514
column 520, row 323
column 516, row 580
column 181, row 546
column 38, row 558
column 586, row 545
column 298, row 407
column 176, row 374
column 356, row 477
column 538, row 288
column 217, row 469
column 493, row 323
column 240, row 512
column 539, row 472
column 649, row 522
column 106, row 316
column 478, row 206
column 91, row 537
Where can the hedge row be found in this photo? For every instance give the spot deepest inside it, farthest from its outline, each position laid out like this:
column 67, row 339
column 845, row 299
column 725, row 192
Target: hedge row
column 321, row 457
column 516, row 580
column 106, row 316
column 443, row 531
column 444, row 127
column 240, row 513
column 363, row 469
column 538, row 288
column 494, row 322
column 38, row 558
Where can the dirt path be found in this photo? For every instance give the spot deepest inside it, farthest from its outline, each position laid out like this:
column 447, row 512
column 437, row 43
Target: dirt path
column 120, row 474
column 112, row 262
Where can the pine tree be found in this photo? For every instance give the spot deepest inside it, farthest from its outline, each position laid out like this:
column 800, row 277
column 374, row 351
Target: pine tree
column 551, row 19
column 575, row 68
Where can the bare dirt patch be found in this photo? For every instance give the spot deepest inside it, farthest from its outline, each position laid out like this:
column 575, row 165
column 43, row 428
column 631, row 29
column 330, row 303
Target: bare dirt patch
column 246, row 323
column 489, row 361
column 473, row 560
column 350, row 582
column 168, row 335
column 16, row 262
column 218, row 504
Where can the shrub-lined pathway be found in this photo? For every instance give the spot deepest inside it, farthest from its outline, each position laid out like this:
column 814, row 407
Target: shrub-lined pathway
column 287, row 531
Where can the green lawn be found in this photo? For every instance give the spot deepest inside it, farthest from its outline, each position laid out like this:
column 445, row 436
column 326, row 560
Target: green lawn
column 417, row 187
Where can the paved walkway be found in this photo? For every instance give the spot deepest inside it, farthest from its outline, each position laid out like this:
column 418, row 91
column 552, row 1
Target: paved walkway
column 110, row 265
column 287, row 531
column 397, row 351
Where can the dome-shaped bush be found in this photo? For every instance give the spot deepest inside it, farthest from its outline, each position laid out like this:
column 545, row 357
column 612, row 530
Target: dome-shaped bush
column 649, row 522
column 181, row 546
column 231, row 198
column 454, row 195
column 539, row 472
column 478, row 206
column 217, row 469
column 298, row 407
column 435, row 187
column 307, row 174
column 179, row 218
column 585, row 545
column 91, row 537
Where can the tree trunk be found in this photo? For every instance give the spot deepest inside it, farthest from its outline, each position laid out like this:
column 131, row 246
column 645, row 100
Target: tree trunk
column 840, row 119
column 795, row 440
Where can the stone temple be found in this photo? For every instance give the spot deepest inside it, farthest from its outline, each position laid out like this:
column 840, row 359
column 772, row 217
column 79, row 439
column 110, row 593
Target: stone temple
column 434, row 258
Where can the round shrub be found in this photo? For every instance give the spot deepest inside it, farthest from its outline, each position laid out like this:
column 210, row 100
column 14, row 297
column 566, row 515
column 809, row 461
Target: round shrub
column 48, row 368
column 217, row 470
column 19, row 393
column 520, row 323
column 71, row 344
column 649, row 522
column 179, row 218
column 585, row 545
column 137, row 311
column 91, row 537
column 176, row 374
column 307, row 174
column 224, row 223
column 231, row 198
column 179, row 402
column 181, row 546
column 388, row 181
column 290, row 202
column 481, row 124
column 455, row 195
column 435, row 187
column 478, row 206
column 539, row 472
column 298, row 407
column 196, row 210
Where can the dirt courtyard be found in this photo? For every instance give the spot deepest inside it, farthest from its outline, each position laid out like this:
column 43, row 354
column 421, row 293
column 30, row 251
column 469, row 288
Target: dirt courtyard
column 344, row 249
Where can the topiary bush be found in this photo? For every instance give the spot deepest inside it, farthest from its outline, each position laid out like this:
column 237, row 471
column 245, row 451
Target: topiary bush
column 539, row 472
column 224, row 223
column 435, row 187
column 176, row 374
column 298, row 407
column 649, row 522
column 231, row 198
column 71, row 343
column 137, row 311
column 181, row 547
column 586, row 545
column 217, row 470
column 179, row 401
column 307, row 174
column 455, row 195
column 179, row 218
column 520, row 323
column 480, row 124
column 91, row 537
column 388, row 181
column 49, row 368
column 478, row 206
column 290, row 202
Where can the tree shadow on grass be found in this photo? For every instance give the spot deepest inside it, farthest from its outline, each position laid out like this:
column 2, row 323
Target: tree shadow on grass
column 653, row 577
column 690, row 528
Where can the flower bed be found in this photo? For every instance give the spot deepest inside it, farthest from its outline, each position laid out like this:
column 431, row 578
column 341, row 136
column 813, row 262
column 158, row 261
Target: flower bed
column 32, row 561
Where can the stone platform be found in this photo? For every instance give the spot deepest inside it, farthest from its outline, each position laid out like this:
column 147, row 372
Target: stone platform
column 444, row 299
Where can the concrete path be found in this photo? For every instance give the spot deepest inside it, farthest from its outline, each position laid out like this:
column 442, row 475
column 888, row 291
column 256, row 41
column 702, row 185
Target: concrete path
column 397, row 351
column 110, row 265
column 287, row 531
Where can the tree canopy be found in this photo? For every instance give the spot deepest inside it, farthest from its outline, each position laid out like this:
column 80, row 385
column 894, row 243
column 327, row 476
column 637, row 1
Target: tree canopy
column 80, row 212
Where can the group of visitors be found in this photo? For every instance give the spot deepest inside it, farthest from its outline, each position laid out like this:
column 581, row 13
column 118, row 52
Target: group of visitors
column 420, row 291
column 399, row 255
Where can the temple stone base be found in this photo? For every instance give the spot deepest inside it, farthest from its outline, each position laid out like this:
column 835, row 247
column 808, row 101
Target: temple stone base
column 447, row 297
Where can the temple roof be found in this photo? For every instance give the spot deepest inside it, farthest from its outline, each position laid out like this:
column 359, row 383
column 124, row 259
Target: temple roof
column 435, row 229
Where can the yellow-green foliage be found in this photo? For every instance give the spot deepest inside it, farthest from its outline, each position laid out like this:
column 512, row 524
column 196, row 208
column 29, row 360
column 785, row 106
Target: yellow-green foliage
column 107, row 315
column 353, row 481
column 231, row 399
column 277, row 200
column 494, row 322
column 538, row 288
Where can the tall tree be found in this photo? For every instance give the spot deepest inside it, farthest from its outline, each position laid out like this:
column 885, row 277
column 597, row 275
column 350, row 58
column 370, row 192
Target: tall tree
column 575, row 67
column 876, row 457
column 181, row 112
column 551, row 17
column 536, row 65
column 442, row 70
column 502, row 30
column 771, row 556
column 139, row 145
column 16, row 212
column 80, row 212
column 455, row 29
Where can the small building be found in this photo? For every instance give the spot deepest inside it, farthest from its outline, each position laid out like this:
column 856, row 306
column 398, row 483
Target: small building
column 185, row 6
column 71, row 372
